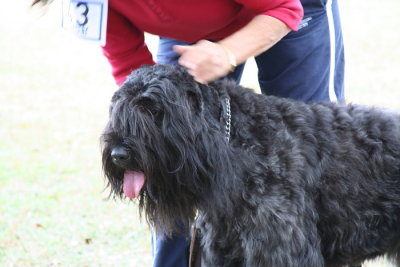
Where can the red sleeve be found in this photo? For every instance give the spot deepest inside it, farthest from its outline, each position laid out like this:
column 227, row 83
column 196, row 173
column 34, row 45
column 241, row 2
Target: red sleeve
column 125, row 48
column 289, row 12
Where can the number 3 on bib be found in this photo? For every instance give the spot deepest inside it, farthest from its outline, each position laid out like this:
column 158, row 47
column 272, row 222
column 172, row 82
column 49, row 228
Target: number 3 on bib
column 86, row 19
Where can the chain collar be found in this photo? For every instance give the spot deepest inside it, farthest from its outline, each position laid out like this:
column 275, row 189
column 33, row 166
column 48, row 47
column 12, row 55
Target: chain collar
column 228, row 119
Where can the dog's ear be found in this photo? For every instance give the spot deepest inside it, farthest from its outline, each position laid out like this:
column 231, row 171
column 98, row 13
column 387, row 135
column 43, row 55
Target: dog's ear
column 194, row 100
column 194, row 96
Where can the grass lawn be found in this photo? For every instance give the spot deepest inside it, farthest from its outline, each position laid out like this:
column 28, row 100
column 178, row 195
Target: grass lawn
column 54, row 93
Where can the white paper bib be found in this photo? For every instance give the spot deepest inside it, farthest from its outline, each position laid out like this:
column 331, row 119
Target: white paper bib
column 87, row 19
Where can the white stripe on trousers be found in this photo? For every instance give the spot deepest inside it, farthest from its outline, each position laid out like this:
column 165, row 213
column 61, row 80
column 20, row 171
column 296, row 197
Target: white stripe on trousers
column 332, row 36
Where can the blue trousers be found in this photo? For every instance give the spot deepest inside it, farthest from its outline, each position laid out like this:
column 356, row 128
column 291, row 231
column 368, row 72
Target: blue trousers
column 306, row 65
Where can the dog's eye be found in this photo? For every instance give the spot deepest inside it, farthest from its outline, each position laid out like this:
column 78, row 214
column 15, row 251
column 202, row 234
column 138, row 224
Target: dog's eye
column 149, row 105
column 155, row 112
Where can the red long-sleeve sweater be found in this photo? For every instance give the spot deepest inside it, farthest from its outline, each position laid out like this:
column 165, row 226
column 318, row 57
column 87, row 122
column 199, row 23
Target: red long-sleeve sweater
column 187, row 21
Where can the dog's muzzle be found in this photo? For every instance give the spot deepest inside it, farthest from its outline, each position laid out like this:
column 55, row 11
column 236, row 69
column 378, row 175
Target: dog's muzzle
column 120, row 156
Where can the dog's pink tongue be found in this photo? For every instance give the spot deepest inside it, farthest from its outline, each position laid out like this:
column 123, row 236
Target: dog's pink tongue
column 133, row 183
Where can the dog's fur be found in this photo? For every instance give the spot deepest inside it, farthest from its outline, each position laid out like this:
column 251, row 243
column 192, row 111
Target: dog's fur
column 305, row 185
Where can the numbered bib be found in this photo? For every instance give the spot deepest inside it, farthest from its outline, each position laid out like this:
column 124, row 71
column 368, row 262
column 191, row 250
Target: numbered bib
column 87, row 19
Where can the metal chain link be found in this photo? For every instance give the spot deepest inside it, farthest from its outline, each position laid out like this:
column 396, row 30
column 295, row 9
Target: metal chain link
column 228, row 120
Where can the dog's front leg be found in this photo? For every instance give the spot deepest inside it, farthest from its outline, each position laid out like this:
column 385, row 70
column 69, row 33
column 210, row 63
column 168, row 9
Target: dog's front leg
column 281, row 241
column 271, row 240
column 278, row 229
column 220, row 243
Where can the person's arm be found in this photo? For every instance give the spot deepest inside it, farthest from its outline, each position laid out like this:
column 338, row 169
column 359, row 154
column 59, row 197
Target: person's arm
column 125, row 48
column 207, row 61
column 256, row 37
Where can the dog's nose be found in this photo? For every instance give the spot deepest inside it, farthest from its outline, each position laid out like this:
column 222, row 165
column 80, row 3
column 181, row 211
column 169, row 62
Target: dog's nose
column 119, row 155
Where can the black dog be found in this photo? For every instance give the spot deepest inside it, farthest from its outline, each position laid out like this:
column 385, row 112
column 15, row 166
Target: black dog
column 276, row 182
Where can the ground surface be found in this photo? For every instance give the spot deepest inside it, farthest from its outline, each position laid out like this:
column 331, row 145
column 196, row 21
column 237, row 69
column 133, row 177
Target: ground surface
column 54, row 96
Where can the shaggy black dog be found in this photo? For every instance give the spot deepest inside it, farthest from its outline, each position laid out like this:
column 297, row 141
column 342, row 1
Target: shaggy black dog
column 276, row 182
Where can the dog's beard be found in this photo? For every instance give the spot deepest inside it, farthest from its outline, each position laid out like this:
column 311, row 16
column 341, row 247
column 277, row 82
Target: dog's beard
column 153, row 176
column 169, row 178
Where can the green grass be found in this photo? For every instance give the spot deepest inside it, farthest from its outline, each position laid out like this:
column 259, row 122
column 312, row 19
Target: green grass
column 54, row 93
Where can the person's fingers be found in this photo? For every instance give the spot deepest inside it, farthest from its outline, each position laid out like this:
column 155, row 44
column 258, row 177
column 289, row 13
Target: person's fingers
column 183, row 61
column 205, row 61
column 181, row 49
column 196, row 75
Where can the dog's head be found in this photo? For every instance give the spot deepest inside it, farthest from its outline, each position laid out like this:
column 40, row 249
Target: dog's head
column 164, row 142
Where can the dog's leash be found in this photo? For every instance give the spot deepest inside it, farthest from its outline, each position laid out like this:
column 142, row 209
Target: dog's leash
column 195, row 247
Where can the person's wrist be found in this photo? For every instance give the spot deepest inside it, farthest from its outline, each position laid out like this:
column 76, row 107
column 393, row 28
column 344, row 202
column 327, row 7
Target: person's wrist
column 230, row 56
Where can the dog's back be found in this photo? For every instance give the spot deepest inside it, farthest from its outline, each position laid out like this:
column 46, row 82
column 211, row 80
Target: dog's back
column 351, row 157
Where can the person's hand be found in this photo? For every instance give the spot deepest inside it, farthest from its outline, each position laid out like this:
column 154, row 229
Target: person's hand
column 206, row 61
